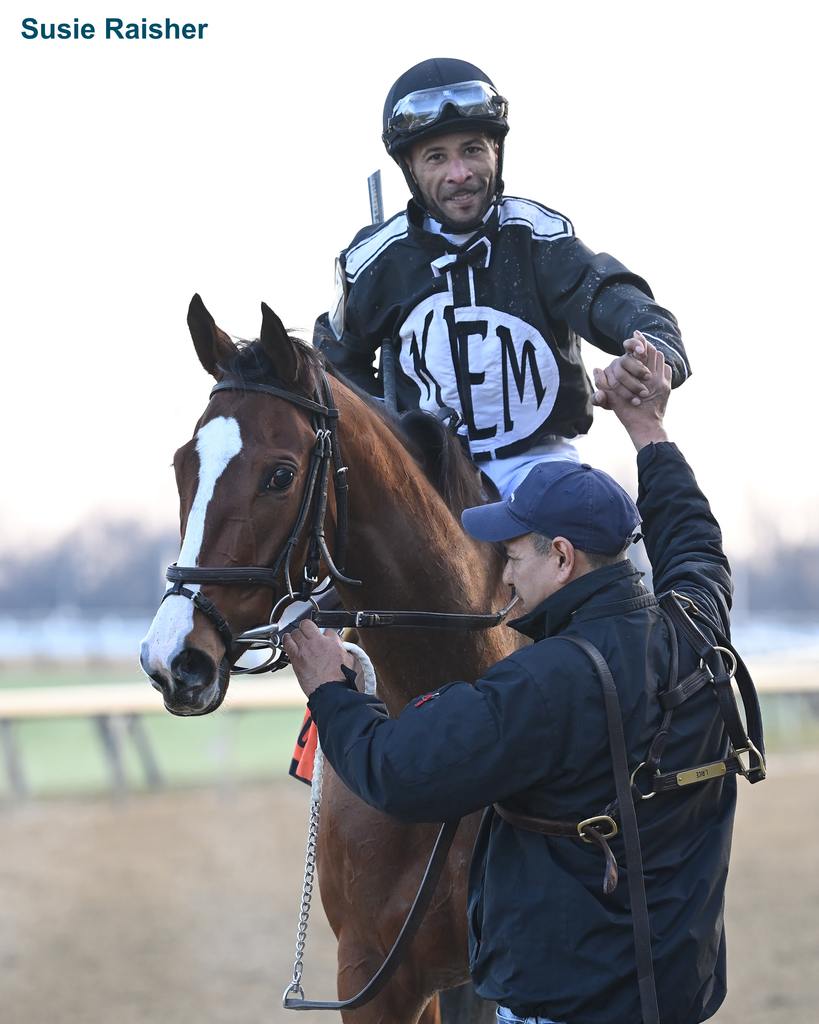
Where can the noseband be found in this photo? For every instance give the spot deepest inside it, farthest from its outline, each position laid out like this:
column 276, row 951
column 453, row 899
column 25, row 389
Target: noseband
column 324, row 418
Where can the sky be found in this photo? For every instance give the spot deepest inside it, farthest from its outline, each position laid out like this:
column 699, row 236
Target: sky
column 676, row 136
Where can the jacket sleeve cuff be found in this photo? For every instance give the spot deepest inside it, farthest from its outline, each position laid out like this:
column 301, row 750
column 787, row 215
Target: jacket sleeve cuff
column 658, row 450
column 347, row 683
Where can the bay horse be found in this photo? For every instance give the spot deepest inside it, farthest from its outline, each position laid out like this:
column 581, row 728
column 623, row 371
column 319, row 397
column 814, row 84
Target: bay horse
column 240, row 481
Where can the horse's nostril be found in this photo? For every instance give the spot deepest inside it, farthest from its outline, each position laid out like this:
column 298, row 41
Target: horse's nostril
column 192, row 667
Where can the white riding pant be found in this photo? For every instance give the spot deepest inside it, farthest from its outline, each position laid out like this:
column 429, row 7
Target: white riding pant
column 507, row 474
column 506, row 1016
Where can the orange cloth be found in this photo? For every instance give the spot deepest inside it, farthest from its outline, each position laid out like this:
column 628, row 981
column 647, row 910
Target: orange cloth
column 301, row 766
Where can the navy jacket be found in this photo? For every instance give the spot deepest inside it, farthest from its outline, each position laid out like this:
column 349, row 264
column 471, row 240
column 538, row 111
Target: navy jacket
column 544, row 939
column 490, row 328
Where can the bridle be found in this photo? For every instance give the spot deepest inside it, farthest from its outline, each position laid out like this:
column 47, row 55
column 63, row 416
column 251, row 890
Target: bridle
column 326, row 451
column 313, row 509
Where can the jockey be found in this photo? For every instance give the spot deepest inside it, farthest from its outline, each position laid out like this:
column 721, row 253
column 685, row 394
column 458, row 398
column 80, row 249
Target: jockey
column 483, row 297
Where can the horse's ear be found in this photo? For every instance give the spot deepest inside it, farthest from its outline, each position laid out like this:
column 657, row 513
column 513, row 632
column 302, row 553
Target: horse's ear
column 279, row 346
column 212, row 345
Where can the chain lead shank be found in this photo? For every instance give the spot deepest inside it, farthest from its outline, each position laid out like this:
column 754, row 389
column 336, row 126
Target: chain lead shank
column 295, row 988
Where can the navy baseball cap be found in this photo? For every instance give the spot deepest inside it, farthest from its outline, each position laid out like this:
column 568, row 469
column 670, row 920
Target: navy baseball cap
column 561, row 499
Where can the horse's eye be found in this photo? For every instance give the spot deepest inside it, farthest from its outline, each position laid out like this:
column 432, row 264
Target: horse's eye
column 281, row 477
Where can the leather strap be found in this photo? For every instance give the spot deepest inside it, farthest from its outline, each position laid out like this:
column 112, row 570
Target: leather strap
column 428, row 620
column 208, row 608
column 329, row 618
column 665, row 782
column 330, row 412
column 544, row 826
column 249, row 575
column 416, row 913
column 677, row 695
column 742, row 738
column 567, row 830
column 631, row 835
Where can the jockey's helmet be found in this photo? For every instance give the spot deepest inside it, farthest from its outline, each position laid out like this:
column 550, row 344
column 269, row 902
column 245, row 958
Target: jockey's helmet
column 442, row 95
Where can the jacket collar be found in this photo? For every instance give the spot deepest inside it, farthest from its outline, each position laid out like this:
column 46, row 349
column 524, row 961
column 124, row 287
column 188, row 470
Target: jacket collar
column 438, row 243
column 600, row 586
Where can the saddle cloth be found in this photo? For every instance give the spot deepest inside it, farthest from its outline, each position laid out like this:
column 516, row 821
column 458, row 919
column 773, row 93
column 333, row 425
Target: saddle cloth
column 301, row 764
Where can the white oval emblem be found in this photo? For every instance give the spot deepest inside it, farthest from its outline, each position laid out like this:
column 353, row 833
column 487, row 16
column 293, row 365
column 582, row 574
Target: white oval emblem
column 509, row 376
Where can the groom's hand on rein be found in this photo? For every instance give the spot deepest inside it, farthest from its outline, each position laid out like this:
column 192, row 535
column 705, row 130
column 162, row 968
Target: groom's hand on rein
column 316, row 657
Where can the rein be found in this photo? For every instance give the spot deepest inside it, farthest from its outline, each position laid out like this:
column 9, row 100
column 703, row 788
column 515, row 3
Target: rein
column 275, row 632
column 294, row 998
column 269, row 637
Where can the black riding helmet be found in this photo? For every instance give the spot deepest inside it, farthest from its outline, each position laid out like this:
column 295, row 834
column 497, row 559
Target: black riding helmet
column 438, row 96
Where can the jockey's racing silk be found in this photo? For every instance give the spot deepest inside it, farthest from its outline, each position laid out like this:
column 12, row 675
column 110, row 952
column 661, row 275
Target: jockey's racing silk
column 490, row 328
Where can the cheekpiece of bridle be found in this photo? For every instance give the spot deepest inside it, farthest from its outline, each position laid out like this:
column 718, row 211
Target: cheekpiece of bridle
column 311, row 517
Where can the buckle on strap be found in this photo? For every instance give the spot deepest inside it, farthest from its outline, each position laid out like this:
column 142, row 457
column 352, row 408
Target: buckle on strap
column 722, row 650
column 760, row 768
column 598, row 822
column 635, row 789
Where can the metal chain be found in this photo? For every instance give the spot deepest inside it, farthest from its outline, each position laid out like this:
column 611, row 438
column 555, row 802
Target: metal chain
column 295, row 988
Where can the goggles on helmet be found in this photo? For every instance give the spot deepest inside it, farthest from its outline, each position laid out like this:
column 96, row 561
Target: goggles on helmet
column 424, row 107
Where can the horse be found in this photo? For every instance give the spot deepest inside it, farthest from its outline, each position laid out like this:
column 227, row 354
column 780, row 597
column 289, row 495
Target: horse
column 241, row 481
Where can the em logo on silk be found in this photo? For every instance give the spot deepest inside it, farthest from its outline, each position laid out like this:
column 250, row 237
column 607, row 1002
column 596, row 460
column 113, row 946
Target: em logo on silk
column 495, row 369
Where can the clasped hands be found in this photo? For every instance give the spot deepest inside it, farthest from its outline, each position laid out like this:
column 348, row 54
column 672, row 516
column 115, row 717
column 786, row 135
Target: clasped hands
column 636, row 386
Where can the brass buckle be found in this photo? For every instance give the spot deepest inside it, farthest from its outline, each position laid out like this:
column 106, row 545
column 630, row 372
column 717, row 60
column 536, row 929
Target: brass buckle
column 599, row 819
column 749, row 750
column 635, row 788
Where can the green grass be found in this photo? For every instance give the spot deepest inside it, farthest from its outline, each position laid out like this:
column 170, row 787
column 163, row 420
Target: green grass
column 67, row 755
column 791, row 721
column 54, row 674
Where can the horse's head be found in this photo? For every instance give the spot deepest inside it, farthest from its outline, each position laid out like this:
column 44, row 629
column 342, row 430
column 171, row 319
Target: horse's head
column 241, row 478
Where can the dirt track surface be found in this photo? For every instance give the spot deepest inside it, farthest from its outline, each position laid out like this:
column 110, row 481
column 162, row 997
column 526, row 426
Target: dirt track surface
column 181, row 907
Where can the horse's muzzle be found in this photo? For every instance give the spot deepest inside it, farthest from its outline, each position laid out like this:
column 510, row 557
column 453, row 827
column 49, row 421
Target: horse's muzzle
column 195, row 686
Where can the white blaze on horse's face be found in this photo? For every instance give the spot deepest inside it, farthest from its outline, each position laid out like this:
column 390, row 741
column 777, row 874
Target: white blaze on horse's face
column 217, row 442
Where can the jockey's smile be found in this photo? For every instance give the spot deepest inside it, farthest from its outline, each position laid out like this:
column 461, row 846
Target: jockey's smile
column 456, row 176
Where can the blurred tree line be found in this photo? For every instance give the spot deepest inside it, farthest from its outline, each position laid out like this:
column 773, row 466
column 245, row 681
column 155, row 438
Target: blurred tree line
column 117, row 567
column 103, row 567
column 786, row 581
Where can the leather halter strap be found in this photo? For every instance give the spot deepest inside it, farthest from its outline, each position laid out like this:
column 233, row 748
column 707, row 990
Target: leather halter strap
column 314, row 498
column 327, row 411
column 744, row 736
